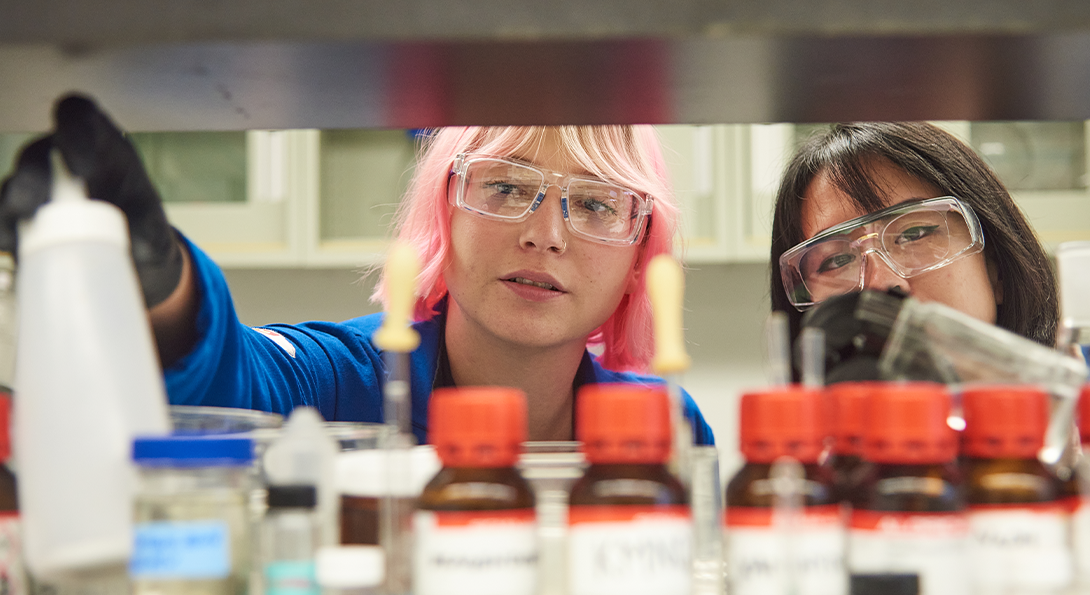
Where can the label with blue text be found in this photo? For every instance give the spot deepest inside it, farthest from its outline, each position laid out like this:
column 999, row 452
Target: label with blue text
column 181, row 550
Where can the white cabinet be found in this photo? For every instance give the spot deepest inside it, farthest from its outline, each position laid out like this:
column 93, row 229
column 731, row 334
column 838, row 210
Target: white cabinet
column 309, row 198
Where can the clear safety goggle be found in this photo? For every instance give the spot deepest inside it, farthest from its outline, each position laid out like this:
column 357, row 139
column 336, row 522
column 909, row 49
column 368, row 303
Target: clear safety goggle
column 509, row 190
column 911, row 238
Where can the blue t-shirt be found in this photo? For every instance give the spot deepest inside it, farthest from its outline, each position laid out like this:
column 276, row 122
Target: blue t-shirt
column 334, row 367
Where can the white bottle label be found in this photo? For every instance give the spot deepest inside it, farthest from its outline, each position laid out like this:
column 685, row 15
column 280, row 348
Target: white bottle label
column 1020, row 547
column 12, row 573
column 1080, row 528
column 629, row 550
column 931, row 545
column 768, row 554
column 491, row 552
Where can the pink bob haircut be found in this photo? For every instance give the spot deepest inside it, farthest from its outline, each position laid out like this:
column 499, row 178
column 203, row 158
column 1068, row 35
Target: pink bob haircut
column 630, row 156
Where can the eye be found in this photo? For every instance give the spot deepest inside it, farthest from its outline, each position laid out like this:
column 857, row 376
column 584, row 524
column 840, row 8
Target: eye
column 915, row 234
column 598, row 207
column 836, row 261
column 502, row 187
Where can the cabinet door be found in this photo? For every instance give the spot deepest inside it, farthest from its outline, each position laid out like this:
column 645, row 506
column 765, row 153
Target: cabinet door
column 361, row 177
column 238, row 195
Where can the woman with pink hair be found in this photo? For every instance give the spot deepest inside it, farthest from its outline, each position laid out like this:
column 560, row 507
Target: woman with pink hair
column 533, row 242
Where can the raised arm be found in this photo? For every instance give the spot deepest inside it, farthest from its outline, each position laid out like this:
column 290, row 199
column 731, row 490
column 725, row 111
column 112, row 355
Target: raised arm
column 98, row 152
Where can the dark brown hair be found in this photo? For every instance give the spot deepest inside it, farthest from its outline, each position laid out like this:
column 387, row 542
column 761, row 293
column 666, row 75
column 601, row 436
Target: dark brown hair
column 845, row 153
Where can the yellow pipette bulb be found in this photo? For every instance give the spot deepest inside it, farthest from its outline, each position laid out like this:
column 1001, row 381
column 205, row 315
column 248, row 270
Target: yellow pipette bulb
column 666, row 287
column 402, row 267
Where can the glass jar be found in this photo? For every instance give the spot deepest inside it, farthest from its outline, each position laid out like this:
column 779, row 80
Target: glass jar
column 192, row 521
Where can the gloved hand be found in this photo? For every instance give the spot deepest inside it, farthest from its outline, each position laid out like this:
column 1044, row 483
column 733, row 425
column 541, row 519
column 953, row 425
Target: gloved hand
column 98, row 152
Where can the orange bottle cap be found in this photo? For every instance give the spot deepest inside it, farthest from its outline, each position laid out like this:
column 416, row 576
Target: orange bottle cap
column 623, row 423
column 480, row 426
column 1004, row 422
column 906, row 424
column 848, row 414
column 782, row 422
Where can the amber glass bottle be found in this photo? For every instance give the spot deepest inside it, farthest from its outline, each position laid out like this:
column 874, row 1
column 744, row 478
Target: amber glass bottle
column 847, row 403
column 629, row 528
column 1017, row 520
column 475, row 529
column 760, row 536
column 908, row 509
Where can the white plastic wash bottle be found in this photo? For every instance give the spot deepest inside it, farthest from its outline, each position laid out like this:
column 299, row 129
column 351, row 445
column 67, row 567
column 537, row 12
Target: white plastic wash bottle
column 87, row 380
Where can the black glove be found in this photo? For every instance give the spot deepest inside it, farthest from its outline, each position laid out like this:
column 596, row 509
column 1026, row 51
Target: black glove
column 98, row 152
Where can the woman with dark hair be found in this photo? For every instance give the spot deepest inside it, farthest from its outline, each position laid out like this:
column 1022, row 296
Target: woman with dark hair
column 879, row 205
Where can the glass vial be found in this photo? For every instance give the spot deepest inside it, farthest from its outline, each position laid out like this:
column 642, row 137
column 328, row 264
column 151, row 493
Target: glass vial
column 772, row 549
column 192, row 520
column 291, row 534
column 908, row 510
column 474, row 528
column 1018, row 524
column 629, row 525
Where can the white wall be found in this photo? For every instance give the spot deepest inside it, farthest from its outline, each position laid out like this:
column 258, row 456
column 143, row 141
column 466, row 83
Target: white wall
column 726, row 306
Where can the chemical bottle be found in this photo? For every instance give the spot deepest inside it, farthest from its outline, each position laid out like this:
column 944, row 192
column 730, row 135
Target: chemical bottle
column 474, row 528
column 88, row 381
column 362, row 481
column 908, row 509
column 770, row 550
column 1018, row 524
column 13, row 580
column 847, row 410
column 629, row 525
column 1080, row 503
column 192, row 515
column 291, row 533
column 305, row 454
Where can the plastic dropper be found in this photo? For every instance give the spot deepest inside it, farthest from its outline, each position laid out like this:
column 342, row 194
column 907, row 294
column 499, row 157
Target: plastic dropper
column 666, row 287
column 397, row 339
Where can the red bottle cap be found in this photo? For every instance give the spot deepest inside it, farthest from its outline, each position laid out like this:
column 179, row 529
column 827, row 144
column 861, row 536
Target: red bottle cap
column 906, row 424
column 480, row 426
column 1004, row 422
column 848, row 415
column 623, row 423
column 1084, row 414
column 783, row 422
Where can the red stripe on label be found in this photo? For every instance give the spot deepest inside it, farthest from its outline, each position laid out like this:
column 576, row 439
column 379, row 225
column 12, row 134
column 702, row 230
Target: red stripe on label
column 622, row 514
column 465, row 518
column 1074, row 503
column 759, row 516
column 1055, row 507
column 917, row 523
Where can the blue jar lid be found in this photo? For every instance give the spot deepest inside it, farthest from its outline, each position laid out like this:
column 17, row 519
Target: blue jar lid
column 193, row 451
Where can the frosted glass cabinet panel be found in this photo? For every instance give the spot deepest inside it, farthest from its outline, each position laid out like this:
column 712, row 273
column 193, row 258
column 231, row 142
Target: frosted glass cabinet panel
column 362, row 176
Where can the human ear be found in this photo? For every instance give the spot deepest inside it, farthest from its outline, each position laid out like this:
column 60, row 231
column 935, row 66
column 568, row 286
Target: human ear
column 635, row 276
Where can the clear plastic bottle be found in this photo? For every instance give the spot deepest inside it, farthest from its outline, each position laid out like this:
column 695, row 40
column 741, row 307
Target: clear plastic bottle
column 769, row 550
column 1018, row 523
column 908, row 509
column 475, row 527
column 192, row 517
column 629, row 524
column 88, row 381
column 291, row 534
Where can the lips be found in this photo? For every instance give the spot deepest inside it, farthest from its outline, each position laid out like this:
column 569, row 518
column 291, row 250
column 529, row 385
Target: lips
column 532, row 279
